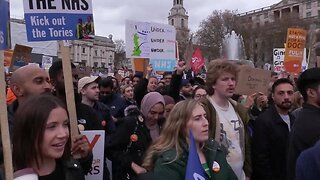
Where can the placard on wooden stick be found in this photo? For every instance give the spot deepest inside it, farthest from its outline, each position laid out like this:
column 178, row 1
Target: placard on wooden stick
column 68, row 83
column 252, row 80
column 5, row 137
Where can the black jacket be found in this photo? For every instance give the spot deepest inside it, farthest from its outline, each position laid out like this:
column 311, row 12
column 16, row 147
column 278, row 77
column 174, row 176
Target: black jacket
column 73, row 170
column 121, row 153
column 305, row 133
column 141, row 90
column 269, row 145
column 174, row 90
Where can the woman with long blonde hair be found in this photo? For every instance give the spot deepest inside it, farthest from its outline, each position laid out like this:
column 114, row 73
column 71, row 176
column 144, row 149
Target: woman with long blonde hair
column 167, row 156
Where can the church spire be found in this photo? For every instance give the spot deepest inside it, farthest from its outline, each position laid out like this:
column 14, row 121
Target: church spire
column 177, row 2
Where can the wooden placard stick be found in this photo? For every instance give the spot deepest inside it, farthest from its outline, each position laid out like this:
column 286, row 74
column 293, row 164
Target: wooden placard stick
column 68, row 83
column 5, row 136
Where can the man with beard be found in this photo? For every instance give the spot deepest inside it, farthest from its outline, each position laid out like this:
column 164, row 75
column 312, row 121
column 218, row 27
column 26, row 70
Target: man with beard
column 306, row 130
column 271, row 134
column 186, row 90
column 111, row 98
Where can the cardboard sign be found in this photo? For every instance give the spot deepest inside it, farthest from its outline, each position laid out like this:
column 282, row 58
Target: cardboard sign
column 96, row 143
column 8, row 57
column 296, row 39
column 83, row 71
column 252, row 80
column 58, row 20
column 4, row 25
column 21, row 56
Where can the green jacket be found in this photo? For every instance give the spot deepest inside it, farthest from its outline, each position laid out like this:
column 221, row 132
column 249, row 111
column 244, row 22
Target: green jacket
column 166, row 168
column 243, row 113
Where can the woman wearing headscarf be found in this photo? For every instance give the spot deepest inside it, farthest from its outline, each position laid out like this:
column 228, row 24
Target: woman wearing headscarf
column 133, row 136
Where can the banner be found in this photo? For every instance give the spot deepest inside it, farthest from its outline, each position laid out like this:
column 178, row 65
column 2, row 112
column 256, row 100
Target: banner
column 4, row 25
column 96, row 143
column 154, row 41
column 296, row 39
column 278, row 60
column 197, row 61
column 58, row 20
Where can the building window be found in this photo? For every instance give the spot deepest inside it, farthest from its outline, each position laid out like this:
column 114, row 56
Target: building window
column 308, row 14
column 318, row 13
column 172, row 22
column 182, row 23
column 83, row 50
column 308, row 5
column 103, row 65
column 96, row 52
column 318, row 3
column 266, row 15
column 95, row 64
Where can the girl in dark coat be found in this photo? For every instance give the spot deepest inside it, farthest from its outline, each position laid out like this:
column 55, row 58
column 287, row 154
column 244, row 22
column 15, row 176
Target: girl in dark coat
column 41, row 140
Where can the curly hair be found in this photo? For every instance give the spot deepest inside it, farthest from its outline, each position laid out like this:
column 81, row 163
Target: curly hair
column 215, row 69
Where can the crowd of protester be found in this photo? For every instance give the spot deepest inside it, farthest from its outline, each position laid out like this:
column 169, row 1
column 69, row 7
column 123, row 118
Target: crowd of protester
column 148, row 122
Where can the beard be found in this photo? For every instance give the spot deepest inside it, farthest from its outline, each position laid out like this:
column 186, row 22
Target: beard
column 286, row 105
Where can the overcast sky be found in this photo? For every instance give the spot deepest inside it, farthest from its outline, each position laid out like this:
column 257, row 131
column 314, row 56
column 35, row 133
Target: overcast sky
column 110, row 15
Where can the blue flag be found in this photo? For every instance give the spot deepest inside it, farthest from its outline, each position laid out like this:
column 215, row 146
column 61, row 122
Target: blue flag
column 194, row 167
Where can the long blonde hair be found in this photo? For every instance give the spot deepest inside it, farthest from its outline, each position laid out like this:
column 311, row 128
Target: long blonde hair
column 172, row 132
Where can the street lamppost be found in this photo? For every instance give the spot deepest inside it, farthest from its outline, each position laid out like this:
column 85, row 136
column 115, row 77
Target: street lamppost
column 110, row 64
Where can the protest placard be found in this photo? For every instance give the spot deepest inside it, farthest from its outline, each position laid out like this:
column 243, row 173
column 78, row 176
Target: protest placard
column 278, row 60
column 154, row 41
column 21, row 56
column 46, row 62
column 83, row 71
column 96, row 143
column 252, row 80
column 58, row 20
column 5, row 42
column 8, row 57
column 296, row 39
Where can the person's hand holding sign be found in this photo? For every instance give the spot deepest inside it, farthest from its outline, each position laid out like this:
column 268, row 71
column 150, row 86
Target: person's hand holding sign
column 80, row 147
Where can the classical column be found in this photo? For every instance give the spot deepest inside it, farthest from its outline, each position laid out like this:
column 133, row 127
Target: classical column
column 75, row 51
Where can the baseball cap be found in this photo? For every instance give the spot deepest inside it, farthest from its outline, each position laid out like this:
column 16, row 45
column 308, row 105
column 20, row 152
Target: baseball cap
column 87, row 80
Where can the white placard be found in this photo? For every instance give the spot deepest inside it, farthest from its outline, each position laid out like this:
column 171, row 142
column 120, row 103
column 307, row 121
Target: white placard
column 96, row 142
